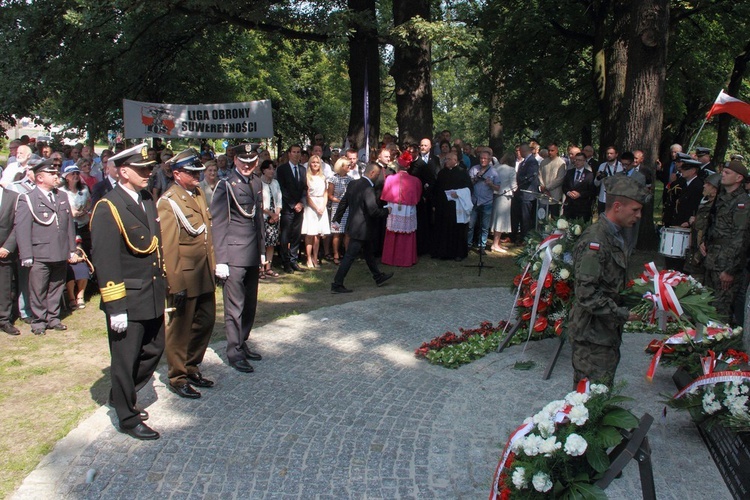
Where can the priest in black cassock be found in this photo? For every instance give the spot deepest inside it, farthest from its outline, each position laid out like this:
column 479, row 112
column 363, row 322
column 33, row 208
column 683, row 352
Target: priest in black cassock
column 452, row 202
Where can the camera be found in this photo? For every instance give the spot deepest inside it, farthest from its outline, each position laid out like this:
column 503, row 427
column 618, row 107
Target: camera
column 601, row 175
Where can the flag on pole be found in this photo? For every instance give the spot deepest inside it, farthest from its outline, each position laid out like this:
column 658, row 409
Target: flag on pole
column 728, row 104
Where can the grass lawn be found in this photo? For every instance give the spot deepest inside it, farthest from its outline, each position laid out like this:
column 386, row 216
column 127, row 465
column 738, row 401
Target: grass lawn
column 49, row 384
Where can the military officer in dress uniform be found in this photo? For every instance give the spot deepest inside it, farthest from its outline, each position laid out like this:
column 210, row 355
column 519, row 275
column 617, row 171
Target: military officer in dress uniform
column 601, row 264
column 126, row 243
column 239, row 242
column 46, row 238
column 189, row 262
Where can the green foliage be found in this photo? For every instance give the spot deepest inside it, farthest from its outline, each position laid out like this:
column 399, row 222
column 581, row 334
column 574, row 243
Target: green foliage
column 475, row 347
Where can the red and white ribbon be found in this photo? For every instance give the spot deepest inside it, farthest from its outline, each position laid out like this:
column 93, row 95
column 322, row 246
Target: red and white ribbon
column 664, row 296
column 713, row 379
column 682, row 337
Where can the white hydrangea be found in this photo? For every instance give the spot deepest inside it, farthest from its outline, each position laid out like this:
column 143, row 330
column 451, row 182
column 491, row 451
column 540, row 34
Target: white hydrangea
column 564, row 274
column 578, row 415
column 549, row 446
column 737, row 405
column 557, row 249
column 598, row 389
column 575, row 445
column 562, row 224
column 542, row 482
column 576, row 398
column 519, row 478
column 710, row 404
column 577, row 230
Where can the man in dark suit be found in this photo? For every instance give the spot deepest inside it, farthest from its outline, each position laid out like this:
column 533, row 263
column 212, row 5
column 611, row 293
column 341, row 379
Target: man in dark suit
column 189, row 263
column 579, row 190
column 527, row 178
column 426, row 167
column 363, row 210
column 46, row 238
column 293, row 182
column 240, row 246
column 107, row 184
column 126, row 241
column 684, row 198
column 8, row 255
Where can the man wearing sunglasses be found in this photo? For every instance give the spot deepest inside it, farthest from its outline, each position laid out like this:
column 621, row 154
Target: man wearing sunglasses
column 189, row 263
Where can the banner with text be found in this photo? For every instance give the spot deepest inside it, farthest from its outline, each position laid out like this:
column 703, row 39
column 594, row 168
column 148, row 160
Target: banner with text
column 205, row 121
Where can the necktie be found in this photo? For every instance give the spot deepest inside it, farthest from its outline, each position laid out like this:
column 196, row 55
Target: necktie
column 578, row 175
column 51, row 197
column 296, row 172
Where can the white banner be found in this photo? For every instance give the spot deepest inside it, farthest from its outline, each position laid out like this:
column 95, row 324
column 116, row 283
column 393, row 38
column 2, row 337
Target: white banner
column 210, row 121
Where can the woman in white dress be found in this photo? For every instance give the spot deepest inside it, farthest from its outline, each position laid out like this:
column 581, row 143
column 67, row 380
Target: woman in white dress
column 315, row 219
column 501, row 205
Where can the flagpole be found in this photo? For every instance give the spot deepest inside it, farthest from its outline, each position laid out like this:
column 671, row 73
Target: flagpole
column 695, row 137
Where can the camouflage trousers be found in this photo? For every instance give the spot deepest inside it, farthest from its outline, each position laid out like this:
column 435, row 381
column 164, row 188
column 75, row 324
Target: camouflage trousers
column 724, row 300
column 596, row 362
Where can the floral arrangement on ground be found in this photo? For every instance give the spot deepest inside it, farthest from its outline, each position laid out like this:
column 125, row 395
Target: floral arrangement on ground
column 562, row 451
column 721, row 393
column 452, row 350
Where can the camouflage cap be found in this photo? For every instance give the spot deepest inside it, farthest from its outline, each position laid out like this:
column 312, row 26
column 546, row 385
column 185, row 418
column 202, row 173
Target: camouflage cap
column 622, row 185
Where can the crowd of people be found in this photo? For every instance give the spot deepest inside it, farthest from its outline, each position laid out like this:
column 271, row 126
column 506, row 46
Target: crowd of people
column 152, row 225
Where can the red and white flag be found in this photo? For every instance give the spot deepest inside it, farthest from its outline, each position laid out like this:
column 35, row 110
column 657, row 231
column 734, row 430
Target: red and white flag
column 728, row 104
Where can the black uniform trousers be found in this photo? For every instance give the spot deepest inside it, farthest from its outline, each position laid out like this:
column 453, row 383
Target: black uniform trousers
column 6, row 291
column 240, row 303
column 188, row 334
column 46, row 285
column 352, row 251
column 291, row 232
column 135, row 355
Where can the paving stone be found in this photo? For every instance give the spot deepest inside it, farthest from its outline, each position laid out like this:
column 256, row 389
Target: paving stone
column 342, row 409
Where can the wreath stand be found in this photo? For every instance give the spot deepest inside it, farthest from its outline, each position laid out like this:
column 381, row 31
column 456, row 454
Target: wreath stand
column 635, row 446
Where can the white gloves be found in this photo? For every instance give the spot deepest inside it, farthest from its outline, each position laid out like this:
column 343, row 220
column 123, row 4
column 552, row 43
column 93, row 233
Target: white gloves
column 119, row 322
column 27, row 262
column 222, row 271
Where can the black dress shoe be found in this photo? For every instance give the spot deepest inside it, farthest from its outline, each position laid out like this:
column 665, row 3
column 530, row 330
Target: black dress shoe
column 340, row 289
column 141, row 431
column 10, row 329
column 383, row 278
column 251, row 354
column 242, row 366
column 60, row 327
column 295, row 266
column 197, row 380
column 288, row 269
column 185, row 390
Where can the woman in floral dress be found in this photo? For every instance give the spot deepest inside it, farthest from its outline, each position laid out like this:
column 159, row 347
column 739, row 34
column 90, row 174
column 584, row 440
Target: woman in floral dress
column 336, row 189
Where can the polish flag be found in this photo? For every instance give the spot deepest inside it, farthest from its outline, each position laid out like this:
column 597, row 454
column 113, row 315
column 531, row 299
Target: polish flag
column 728, row 104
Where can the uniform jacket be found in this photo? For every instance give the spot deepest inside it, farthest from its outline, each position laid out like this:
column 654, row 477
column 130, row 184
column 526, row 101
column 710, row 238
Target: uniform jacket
column 726, row 237
column 45, row 231
column 292, row 192
column 131, row 282
column 188, row 258
column 100, row 189
column 363, row 209
column 686, row 204
column 238, row 240
column 600, row 268
column 7, row 224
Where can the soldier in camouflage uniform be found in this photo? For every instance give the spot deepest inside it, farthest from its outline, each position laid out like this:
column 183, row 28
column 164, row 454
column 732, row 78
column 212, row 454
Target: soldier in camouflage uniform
column 699, row 224
column 725, row 243
column 601, row 262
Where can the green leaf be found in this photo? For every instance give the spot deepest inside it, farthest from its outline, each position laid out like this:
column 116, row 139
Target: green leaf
column 608, row 436
column 620, row 418
column 590, row 491
column 523, row 365
column 597, row 458
column 613, row 400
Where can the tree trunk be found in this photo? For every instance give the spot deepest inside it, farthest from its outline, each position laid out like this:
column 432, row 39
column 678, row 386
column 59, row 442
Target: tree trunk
column 496, row 124
column 643, row 106
column 733, row 89
column 411, row 73
column 616, row 61
column 364, row 69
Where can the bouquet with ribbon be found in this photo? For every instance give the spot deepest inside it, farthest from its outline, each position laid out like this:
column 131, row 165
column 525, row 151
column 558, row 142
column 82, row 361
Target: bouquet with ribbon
column 562, row 451
column 721, row 392
column 544, row 288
